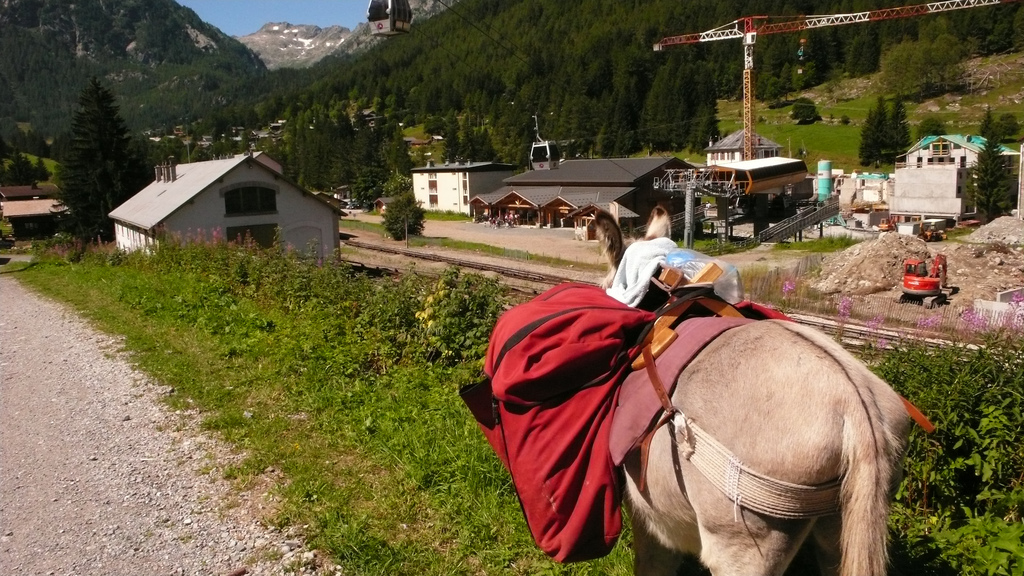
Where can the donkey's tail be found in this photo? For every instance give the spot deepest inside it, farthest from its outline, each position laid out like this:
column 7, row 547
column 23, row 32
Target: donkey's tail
column 873, row 441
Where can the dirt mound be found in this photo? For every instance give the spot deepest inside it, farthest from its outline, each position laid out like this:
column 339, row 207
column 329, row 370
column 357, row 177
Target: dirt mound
column 1005, row 229
column 978, row 271
column 870, row 267
column 983, row 271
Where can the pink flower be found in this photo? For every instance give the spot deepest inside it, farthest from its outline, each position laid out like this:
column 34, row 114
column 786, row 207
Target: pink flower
column 845, row 307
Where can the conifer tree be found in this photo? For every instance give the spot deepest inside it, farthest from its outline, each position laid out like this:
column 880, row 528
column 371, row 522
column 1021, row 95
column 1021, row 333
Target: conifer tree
column 20, row 171
column 872, row 135
column 41, row 173
column 989, row 184
column 102, row 169
column 989, row 129
column 897, row 132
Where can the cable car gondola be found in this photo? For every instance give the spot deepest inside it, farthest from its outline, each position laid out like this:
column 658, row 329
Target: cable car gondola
column 544, row 154
column 389, row 17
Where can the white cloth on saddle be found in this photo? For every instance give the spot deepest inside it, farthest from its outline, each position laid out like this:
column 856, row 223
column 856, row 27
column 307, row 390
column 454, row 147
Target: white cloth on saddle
column 639, row 263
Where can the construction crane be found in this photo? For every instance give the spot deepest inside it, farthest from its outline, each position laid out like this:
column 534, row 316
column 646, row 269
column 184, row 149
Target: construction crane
column 749, row 27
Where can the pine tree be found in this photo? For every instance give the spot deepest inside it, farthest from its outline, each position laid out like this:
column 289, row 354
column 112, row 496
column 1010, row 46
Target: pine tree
column 3, row 151
column 41, row 173
column 102, row 170
column 20, row 172
column 989, row 184
column 897, row 132
column 989, row 129
column 872, row 135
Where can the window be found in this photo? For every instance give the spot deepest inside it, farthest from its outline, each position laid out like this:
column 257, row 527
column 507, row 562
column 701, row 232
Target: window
column 465, row 188
column 919, row 160
column 250, row 200
column 963, row 161
column 432, row 192
column 940, row 148
column 262, row 234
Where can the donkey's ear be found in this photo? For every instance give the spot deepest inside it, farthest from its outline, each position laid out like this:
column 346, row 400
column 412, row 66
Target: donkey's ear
column 609, row 237
column 659, row 225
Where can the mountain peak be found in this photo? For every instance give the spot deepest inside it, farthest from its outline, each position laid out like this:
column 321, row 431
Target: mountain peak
column 287, row 45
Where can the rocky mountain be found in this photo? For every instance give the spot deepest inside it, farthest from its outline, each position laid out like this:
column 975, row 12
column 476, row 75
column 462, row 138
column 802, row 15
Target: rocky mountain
column 159, row 57
column 284, row 45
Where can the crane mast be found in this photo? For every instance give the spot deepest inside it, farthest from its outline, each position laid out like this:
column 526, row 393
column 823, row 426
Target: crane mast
column 749, row 27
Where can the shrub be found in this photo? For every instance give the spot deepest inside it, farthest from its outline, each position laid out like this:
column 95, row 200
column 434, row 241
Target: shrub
column 960, row 503
column 404, row 215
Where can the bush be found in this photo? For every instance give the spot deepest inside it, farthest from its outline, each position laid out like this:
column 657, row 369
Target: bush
column 404, row 215
column 958, row 509
column 804, row 111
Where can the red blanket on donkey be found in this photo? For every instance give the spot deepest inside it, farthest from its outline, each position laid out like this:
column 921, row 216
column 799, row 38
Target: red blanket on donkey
column 554, row 369
column 554, row 365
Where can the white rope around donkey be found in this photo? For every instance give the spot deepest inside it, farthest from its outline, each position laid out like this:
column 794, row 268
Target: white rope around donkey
column 747, row 488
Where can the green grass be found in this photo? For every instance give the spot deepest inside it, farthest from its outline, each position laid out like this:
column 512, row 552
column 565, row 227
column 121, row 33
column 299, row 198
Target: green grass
column 818, row 245
column 831, row 140
column 447, row 216
column 381, row 459
column 361, row 226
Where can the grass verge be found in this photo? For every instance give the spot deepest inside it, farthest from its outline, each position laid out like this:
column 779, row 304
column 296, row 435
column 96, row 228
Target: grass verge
column 345, row 384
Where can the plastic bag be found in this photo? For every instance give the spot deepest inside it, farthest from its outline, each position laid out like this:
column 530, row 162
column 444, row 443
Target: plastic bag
column 728, row 286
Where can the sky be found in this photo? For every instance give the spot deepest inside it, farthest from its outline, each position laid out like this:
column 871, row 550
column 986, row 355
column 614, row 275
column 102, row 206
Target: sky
column 242, row 17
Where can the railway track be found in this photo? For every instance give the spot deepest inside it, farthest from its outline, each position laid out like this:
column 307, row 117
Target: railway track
column 853, row 336
column 504, row 271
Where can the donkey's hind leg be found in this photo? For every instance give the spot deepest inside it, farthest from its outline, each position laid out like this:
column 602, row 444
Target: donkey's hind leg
column 738, row 542
column 650, row 556
column 752, row 546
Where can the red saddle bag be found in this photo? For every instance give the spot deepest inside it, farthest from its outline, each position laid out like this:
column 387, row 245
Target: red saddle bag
column 553, row 370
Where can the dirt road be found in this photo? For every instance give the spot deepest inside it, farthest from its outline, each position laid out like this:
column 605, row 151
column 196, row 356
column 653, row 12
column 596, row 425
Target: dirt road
column 97, row 477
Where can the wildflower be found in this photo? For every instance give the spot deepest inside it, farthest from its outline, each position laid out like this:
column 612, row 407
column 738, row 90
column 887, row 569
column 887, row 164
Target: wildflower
column 975, row 321
column 787, row 287
column 929, row 322
column 845, row 307
column 875, row 323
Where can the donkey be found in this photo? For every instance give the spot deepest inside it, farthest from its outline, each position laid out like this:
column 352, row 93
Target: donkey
column 792, row 405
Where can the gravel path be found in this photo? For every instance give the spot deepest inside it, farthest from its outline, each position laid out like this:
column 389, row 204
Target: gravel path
column 98, row 477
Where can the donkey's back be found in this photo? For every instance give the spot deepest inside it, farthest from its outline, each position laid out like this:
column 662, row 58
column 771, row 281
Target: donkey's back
column 793, row 406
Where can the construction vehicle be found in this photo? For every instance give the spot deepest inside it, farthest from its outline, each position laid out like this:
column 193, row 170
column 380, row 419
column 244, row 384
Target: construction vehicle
column 924, row 286
column 887, row 225
column 932, row 230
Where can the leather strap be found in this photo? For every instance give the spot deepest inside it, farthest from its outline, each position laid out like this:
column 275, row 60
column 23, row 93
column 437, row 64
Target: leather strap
column 666, row 403
column 918, row 416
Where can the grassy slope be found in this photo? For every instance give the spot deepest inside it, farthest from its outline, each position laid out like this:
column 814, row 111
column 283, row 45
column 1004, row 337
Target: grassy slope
column 830, row 140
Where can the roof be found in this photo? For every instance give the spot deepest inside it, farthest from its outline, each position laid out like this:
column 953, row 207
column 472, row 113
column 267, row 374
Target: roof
column 156, row 202
column 40, row 190
column 575, row 196
column 971, row 142
column 600, row 171
column 762, row 174
column 467, row 167
column 734, row 141
column 623, row 212
column 23, row 208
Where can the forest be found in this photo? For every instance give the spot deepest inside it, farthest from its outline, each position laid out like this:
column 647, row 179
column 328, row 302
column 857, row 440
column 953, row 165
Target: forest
column 479, row 72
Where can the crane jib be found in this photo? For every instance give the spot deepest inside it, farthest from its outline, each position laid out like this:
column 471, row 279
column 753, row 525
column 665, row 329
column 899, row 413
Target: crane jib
column 734, row 30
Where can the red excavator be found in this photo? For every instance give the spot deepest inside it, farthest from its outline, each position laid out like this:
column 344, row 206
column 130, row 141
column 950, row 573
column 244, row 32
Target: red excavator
column 924, row 286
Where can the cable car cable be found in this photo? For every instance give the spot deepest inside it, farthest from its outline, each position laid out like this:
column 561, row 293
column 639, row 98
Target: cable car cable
column 492, row 38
